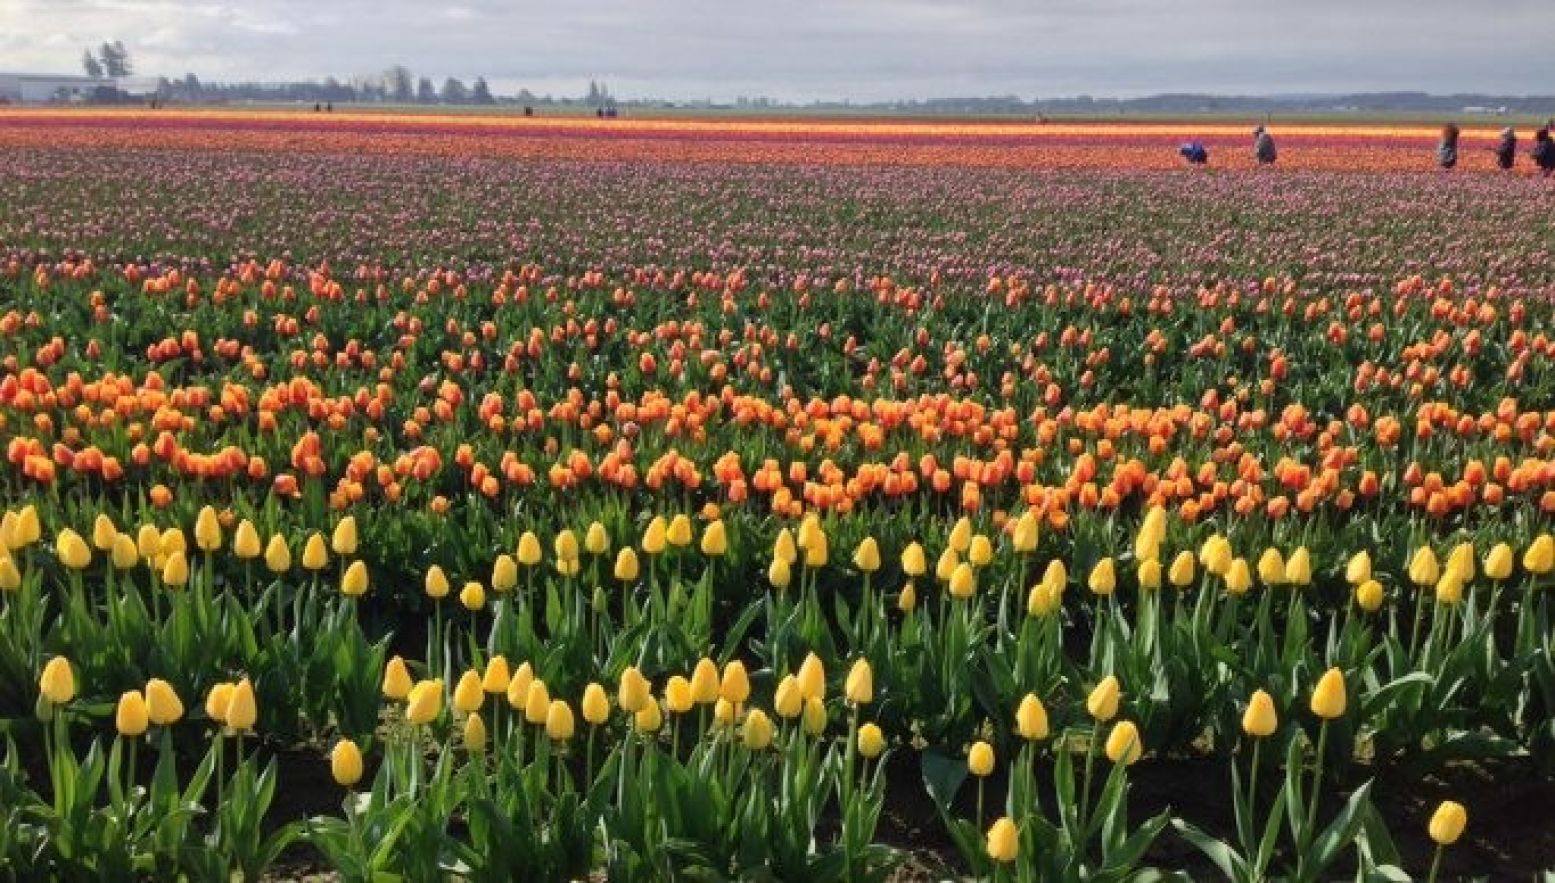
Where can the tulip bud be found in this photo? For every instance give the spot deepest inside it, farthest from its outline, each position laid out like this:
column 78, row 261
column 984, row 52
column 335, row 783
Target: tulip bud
column 1328, row 697
column 559, row 724
column 677, row 694
column 58, row 682
column 28, row 529
column 783, row 547
column 1449, row 589
column 565, row 545
column 962, row 582
column 908, row 599
column 218, row 700
column 778, row 574
column 757, row 734
column 472, row 596
column 871, row 742
column 163, row 706
column 1123, row 745
column 788, row 701
column 814, row 716
column 595, row 540
column 468, row 695
column 1150, row 574
column 715, row 539
column 537, row 704
column 1448, row 822
column 596, row 705
column 1271, row 567
column 810, row 531
column 396, row 679
column 1216, row 555
column 172, row 540
column 315, row 555
column 913, row 563
column 10, row 577
column 980, row 760
column 860, row 686
column 704, row 682
column 1026, row 533
column 649, row 719
column 504, row 573
column 1298, row 568
column 436, row 583
column 242, row 710
column 103, row 532
column 1238, row 579
column 518, row 687
column 245, row 543
column 654, row 538
column 867, row 556
column 812, row 677
column 1031, row 719
column 945, row 567
column 678, row 534
column 148, row 541
column 1460, row 562
column 1041, row 600
column 634, row 692
column 1103, row 701
column 278, row 558
column 425, row 702
column 736, row 685
column 1182, row 573
column 1539, row 558
column 1358, row 570
column 131, row 718
column 1003, row 841
column 207, row 530
column 818, row 552
column 1103, row 578
column 626, row 565
column 1369, row 596
column 345, row 763
column 980, row 553
column 73, row 551
column 1260, row 719
column 474, row 734
column 176, row 571
column 529, row 553
column 1498, row 562
column 354, row 583
column 1423, row 568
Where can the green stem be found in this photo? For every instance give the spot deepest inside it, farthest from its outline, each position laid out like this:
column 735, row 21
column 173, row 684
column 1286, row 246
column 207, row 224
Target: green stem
column 1317, row 787
column 1090, row 763
column 1436, row 864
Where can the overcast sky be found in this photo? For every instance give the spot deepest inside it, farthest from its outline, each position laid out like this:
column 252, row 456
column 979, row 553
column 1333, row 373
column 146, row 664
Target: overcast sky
column 809, row 49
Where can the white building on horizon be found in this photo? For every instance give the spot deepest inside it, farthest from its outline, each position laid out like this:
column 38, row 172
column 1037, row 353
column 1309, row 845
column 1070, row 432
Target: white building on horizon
column 23, row 88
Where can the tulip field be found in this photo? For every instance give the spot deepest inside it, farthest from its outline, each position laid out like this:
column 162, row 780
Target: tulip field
column 483, row 498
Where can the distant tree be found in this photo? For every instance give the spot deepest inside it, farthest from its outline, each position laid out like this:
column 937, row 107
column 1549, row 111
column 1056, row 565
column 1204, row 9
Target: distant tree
column 398, row 83
column 115, row 59
column 595, row 95
column 193, row 89
column 455, row 92
column 426, row 93
column 481, row 92
column 91, row 65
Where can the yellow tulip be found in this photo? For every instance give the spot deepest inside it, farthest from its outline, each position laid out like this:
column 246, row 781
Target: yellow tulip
column 1539, row 557
column 757, row 734
column 10, row 577
column 1449, row 589
column 58, row 682
column 677, row 694
column 1298, row 568
column 1152, row 530
column 518, row 686
column 634, row 692
column 1271, row 567
column 1026, row 534
column 1031, row 719
column 1498, row 562
column 595, row 540
column 814, row 716
column 73, row 551
column 1238, row 578
column 962, row 582
column 867, row 556
column 396, row 679
column 1215, row 554
column 961, row 534
column 1103, row 578
column 504, row 573
column 344, row 540
column 1056, row 576
column 131, row 718
column 278, row 558
column 1042, row 600
column 1181, row 573
column 468, row 696
column 818, row 552
column 28, row 528
column 649, row 719
column 242, row 709
column 1460, row 562
column 945, row 566
column 176, row 571
column 735, row 685
column 1369, row 596
column 345, row 763
column 529, row 553
column 1448, row 822
column 1328, row 697
column 1260, row 719
column 163, row 706
column 704, row 682
column 472, row 596
column 913, row 563
column 537, row 704
column 559, row 723
column 783, row 547
column 626, row 565
column 315, row 555
column 1423, row 568
column 474, row 734
column 1003, row 844
column 123, row 552
column 596, row 705
column 810, row 531
column 788, row 701
column 980, row 553
column 1150, row 573
column 1358, row 569
column 678, row 534
column 218, row 700
column 860, row 685
column 715, row 539
column 871, row 742
column 1123, row 744
column 148, row 541
column 812, row 677
column 172, row 540
column 354, row 583
column 207, row 530
column 565, row 545
column 778, row 574
column 103, row 532
column 654, row 540
column 1102, row 703
column 246, row 543
column 436, row 583
column 908, row 599
column 497, row 676
column 980, row 760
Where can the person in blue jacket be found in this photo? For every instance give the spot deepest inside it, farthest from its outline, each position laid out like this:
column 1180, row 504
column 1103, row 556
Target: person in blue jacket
column 1194, row 153
column 1263, row 147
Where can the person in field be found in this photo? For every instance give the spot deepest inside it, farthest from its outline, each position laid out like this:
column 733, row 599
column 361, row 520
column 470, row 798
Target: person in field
column 1447, row 148
column 1506, row 149
column 1194, row 153
column 1543, row 153
column 1263, row 147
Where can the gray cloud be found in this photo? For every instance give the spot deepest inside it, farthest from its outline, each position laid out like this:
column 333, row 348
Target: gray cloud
column 803, row 49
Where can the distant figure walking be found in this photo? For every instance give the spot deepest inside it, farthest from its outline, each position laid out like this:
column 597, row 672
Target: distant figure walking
column 1263, row 147
column 1506, row 149
column 1447, row 150
column 1194, row 153
column 1543, row 153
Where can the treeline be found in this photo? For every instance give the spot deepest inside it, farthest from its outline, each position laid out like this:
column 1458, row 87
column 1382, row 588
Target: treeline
column 396, row 86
